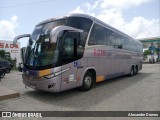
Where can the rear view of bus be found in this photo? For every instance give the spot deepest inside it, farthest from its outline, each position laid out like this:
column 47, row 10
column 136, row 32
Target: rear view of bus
column 62, row 54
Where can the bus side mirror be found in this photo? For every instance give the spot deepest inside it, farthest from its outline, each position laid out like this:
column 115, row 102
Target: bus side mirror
column 22, row 49
column 55, row 31
column 19, row 37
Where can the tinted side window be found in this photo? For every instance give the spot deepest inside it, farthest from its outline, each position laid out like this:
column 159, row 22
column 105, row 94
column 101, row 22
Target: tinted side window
column 120, row 41
column 114, row 39
column 109, row 37
column 132, row 45
column 69, row 52
column 71, row 48
column 127, row 44
column 81, row 23
column 97, row 36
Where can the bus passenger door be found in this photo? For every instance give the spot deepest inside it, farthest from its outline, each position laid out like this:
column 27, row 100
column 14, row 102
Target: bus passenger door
column 69, row 55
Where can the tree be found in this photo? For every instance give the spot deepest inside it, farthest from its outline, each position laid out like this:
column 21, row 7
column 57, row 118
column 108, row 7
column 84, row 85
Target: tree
column 6, row 56
column 146, row 52
column 2, row 54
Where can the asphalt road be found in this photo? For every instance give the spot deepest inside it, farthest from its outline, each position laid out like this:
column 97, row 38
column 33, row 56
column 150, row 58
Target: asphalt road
column 137, row 93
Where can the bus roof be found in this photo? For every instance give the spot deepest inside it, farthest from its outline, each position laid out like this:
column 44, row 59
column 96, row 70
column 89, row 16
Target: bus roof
column 89, row 17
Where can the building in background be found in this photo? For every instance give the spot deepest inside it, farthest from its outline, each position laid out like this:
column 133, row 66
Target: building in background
column 152, row 44
column 14, row 51
column 147, row 42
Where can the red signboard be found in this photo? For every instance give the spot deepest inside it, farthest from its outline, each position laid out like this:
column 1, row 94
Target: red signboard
column 8, row 45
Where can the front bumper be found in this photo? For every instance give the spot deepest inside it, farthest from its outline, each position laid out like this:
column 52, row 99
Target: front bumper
column 49, row 85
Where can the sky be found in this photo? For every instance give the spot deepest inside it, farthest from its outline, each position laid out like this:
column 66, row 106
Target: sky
column 137, row 18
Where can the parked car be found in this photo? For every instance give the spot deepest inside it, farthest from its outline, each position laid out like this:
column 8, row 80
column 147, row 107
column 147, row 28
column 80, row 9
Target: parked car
column 11, row 65
column 2, row 72
column 152, row 58
column 4, row 63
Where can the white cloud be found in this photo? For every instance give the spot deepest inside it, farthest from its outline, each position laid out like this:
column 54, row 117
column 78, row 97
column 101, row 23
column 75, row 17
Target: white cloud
column 121, row 4
column 77, row 10
column 140, row 27
column 111, row 12
column 112, row 17
column 14, row 18
column 7, row 28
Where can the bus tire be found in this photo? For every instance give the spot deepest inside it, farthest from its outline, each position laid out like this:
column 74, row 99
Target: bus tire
column 131, row 71
column 135, row 70
column 88, row 82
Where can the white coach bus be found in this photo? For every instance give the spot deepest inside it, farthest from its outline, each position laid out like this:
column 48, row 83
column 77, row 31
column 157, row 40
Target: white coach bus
column 77, row 50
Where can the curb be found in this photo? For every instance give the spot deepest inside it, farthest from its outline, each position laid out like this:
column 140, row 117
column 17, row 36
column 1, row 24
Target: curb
column 6, row 93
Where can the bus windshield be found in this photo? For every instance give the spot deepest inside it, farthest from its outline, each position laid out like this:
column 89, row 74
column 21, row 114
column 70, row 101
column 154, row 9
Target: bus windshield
column 40, row 52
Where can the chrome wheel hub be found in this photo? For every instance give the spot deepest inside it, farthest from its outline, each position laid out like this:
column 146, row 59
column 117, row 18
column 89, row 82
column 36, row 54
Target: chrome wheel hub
column 88, row 81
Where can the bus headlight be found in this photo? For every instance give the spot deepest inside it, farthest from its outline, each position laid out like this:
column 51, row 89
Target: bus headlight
column 49, row 76
column 56, row 74
column 52, row 75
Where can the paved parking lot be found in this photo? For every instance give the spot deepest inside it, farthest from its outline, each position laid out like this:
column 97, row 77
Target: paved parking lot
column 138, row 93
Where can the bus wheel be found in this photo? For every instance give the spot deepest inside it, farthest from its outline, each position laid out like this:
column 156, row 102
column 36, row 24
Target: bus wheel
column 131, row 72
column 88, row 81
column 135, row 70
